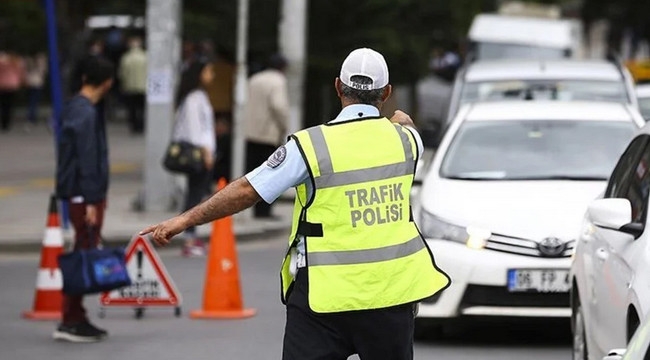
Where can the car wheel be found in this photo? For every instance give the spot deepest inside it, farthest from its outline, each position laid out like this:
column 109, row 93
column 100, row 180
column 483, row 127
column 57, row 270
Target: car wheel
column 579, row 334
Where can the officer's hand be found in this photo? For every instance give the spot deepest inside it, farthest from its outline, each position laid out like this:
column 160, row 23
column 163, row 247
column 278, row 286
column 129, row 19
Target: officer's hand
column 162, row 233
column 402, row 118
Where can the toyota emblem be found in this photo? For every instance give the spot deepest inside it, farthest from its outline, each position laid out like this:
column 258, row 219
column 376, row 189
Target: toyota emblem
column 551, row 247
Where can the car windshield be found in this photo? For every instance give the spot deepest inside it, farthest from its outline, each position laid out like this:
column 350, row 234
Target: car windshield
column 536, row 150
column 644, row 106
column 491, row 51
column 589, row 90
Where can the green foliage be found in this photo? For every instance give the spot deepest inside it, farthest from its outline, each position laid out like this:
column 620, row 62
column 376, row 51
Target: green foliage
column 22, row 26
column 217, row 20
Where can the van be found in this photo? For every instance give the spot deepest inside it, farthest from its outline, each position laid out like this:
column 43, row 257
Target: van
column 496, row 36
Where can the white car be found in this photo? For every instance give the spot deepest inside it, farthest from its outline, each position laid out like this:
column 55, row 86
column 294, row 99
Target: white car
column 564, row 80
column 643, row 96
column 501, row 204
column 611, row 268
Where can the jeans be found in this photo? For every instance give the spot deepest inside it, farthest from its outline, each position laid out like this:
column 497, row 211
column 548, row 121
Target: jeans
column 198, row 186
column 136, row 106
column 85, row 237
column 7, row 98
column 34, row 98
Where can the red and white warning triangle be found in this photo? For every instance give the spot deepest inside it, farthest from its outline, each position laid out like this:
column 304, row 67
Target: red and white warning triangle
column 151, row 283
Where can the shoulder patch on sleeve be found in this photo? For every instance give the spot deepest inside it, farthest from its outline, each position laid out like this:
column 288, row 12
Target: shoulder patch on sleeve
column 277, row 157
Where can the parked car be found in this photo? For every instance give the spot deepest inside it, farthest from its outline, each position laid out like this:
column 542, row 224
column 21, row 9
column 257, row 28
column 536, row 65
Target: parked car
column 610, row 272
column 597, row 80
column 502, row 201
column 643, row 97
column 638, row 349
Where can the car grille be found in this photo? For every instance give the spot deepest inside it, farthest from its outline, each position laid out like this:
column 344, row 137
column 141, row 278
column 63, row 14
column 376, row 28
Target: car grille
column 482, row 295
column 525, row 247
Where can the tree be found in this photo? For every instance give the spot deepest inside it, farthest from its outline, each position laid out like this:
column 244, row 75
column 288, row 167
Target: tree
column 404, row 31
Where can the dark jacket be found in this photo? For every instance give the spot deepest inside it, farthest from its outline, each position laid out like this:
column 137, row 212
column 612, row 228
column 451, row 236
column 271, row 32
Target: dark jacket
column 82, row 158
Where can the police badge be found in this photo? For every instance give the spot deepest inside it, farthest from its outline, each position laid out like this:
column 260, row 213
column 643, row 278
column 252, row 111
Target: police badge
column 277, row 157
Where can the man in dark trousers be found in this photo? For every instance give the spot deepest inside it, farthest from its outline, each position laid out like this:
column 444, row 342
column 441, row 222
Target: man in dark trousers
column 82, row 181
column 266, row 119
column 356, row 264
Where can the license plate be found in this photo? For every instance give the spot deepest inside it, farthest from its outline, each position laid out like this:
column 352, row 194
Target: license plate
column 538, row 280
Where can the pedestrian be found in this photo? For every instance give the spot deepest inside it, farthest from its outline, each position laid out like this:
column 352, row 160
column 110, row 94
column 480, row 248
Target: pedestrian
column 195, row 124
column 12, row 76
column 356, row 265
column 35, row 71
column 133, row 78
column 82, row 181
column 266, row 119
column 95, row 50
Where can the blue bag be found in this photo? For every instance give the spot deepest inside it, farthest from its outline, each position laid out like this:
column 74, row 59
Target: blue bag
column 90, row 271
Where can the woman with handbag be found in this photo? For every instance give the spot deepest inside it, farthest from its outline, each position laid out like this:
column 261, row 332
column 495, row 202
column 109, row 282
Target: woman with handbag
column 195, row 126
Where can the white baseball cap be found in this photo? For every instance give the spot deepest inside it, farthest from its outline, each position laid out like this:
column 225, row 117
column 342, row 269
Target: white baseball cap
column 365, row 62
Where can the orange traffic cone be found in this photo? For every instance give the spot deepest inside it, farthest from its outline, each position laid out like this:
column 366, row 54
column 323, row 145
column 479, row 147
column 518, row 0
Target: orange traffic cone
column 222, row 293
column 47, row 302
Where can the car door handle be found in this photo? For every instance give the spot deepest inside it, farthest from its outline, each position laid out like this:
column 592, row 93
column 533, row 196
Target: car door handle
column 602, row 254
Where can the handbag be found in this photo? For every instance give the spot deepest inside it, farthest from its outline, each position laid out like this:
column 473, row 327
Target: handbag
column 91, row 271
column 184, row 157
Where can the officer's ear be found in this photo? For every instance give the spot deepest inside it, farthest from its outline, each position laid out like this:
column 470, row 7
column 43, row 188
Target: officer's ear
column 338, row 86
column 388, row 89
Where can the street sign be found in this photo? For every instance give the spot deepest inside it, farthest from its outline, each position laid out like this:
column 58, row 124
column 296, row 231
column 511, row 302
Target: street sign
column 151, row 283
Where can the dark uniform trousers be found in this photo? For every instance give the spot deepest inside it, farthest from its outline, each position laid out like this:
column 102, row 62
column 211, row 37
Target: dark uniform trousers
column 384, row 334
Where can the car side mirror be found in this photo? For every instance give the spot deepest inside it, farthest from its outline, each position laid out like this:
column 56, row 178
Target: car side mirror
column 615, row 354
column 614, row 214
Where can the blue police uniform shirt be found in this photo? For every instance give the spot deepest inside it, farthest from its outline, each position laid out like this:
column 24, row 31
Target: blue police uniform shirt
column 287, row 169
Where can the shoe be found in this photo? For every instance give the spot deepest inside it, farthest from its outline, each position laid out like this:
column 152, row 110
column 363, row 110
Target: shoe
column 80, row 333
column 195, row 248
column 94, row 329
column 185, row 250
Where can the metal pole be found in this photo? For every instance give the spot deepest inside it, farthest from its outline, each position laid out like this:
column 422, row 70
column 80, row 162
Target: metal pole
column 240, row 91
column 163, row 56
column 55, row 85
column 293, row 34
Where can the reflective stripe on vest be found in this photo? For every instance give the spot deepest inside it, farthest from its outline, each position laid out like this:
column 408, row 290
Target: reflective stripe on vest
column 330, row 179
column 366, row 256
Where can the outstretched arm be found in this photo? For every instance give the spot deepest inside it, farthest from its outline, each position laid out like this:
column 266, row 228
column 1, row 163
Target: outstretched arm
column 232, row 199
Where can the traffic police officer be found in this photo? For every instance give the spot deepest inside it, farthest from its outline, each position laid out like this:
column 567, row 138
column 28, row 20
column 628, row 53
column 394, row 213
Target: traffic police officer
column 356, row 264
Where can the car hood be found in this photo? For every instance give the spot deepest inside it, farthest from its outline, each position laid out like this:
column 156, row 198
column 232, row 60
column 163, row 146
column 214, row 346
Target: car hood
column 526, row 209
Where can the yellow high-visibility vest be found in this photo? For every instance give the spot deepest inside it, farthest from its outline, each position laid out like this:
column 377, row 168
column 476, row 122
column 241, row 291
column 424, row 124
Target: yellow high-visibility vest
column 363, row 250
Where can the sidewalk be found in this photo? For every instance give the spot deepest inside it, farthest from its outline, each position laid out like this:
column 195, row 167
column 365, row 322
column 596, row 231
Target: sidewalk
column 27, row 166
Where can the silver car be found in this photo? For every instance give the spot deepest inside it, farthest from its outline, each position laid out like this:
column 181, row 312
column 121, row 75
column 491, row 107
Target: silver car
column 589, row 80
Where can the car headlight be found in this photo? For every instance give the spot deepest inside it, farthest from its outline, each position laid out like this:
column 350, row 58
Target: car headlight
column 433, row 227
